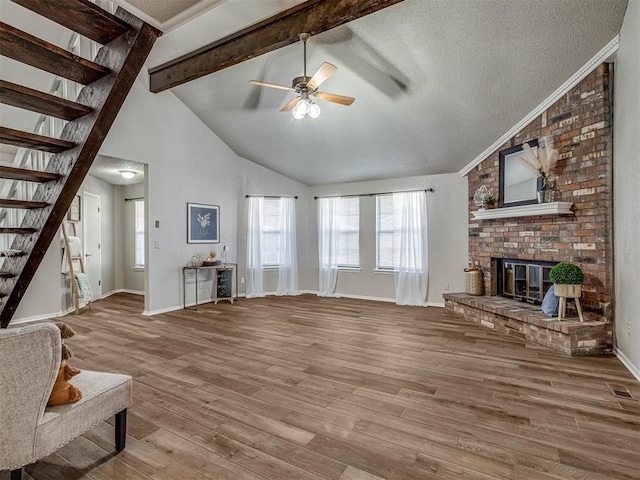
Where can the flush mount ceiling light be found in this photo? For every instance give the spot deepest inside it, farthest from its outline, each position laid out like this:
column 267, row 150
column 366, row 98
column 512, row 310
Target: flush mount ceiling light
column 307, row 87
column 128, row 174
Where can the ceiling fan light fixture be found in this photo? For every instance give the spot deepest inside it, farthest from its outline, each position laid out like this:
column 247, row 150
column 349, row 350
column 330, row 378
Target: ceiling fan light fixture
column 297, row 114
column 314, row 110
column 128, row 174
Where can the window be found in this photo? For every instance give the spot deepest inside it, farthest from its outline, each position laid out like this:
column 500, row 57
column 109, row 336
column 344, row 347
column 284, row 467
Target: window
column 348, row 212
column 271, row 232
column 384, row 232
column 138, row 249
column 400, row 231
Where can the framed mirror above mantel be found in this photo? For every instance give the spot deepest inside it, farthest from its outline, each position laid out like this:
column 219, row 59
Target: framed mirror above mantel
column 518, row 183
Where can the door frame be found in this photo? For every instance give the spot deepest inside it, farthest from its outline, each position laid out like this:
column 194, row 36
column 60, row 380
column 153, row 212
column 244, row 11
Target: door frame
column 96, row 295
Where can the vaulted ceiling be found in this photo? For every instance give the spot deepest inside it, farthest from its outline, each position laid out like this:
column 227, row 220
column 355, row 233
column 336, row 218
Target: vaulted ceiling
column 436, row 81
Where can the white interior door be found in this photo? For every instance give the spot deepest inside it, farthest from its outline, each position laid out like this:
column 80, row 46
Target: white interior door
column 92, row 240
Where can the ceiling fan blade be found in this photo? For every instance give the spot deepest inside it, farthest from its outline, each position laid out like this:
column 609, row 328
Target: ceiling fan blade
column 324, row 72
column 289, row 106
column 332, row 97
column 270, row 85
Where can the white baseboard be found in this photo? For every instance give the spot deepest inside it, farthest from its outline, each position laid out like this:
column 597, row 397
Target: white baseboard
column 122, row 290
column 46, row 316
column 150, row 313
column 635, row 371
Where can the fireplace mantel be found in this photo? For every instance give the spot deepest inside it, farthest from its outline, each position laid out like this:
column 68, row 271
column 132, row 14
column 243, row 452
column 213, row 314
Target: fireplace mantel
column 554, row 208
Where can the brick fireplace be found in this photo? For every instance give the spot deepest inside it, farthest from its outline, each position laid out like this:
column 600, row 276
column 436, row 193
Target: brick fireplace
column 580, row 125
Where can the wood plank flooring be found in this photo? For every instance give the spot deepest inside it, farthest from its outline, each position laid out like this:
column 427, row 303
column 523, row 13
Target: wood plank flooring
column 317, row 388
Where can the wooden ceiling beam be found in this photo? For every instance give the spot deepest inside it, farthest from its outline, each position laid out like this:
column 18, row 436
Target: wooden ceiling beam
column 312, row 16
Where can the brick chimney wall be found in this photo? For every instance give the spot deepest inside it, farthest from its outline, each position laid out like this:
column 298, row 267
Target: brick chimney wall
column 580, row 124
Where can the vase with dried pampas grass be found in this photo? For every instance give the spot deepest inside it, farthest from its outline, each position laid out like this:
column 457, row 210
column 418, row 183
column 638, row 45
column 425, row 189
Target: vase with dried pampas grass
column 542, row 163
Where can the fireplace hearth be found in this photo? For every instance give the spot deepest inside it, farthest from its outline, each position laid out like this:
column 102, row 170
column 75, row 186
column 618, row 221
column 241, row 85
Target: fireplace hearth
column 524, row 280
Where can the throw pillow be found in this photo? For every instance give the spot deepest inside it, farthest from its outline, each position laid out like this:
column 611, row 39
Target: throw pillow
column 64, row 392
column 551, row 303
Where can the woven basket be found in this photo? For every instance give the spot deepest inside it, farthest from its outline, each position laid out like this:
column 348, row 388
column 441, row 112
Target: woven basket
column 473, row 282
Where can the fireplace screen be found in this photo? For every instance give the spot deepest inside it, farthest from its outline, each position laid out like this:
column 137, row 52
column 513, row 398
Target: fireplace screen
column 525, row 280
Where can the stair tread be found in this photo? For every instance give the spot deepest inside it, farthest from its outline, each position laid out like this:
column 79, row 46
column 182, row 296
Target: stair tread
column 30, row 50
column 17, row 230
column 80, row 16
column 13, row 173
column 36, row 101
column 9, row 136
column 27, row 204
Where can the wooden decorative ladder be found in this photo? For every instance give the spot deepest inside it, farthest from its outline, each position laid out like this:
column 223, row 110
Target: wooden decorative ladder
column 126, row 42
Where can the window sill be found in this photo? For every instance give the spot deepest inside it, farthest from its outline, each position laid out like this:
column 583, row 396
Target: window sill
column 383, row 270
column 349, row 269
column 138, row 269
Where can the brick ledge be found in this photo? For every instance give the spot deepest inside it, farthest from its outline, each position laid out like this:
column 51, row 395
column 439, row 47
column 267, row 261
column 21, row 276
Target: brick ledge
column 526, row 321
column 524, row 312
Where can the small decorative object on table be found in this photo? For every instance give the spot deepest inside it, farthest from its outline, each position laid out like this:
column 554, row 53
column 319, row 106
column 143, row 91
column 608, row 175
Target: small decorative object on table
column 211, row 260
column 567, row 279
column 195, row 261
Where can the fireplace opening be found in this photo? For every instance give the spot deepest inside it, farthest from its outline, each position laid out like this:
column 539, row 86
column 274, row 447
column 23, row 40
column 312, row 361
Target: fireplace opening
column 524, row 280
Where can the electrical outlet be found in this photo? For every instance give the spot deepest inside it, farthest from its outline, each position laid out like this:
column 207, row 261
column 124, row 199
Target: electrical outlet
column 628, row 328
column 242, row 280
column 445, row 287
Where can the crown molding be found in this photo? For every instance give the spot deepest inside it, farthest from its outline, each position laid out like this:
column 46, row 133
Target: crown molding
column 600, row 57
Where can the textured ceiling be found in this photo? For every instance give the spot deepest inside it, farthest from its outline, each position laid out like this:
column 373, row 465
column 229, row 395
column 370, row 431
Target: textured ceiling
column 436, row 82
column 168, row 15
column 108, row 169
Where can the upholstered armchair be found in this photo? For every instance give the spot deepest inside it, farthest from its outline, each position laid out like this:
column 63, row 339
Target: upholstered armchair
column 29, row 430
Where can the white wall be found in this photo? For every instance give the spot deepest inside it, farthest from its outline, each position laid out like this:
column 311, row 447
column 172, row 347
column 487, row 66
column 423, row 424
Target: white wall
column 46, row 295
column 448, row 243
column 626, row 149
column 49, row 294
column 186, row 162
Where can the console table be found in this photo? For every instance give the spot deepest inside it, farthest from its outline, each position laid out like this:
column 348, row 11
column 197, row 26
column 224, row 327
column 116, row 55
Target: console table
column 216, row 269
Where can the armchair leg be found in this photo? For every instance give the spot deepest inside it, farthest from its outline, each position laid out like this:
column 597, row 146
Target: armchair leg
column 16, row 474
column 121, row 430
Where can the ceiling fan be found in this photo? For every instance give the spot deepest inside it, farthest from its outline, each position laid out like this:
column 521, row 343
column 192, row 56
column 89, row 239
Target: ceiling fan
column 307, row 87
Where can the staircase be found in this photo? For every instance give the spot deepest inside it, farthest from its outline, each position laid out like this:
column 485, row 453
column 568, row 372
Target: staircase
column 126, row 42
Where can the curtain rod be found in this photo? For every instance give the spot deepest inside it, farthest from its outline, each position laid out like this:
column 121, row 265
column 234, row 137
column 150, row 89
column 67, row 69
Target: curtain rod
column 377, row 193
column 132, row 199
column 272, row 196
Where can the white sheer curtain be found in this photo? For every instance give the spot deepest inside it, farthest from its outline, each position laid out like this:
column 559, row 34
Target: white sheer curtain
column 288, row 265
column 255, row 272
column 328, row 235
column 410, row 247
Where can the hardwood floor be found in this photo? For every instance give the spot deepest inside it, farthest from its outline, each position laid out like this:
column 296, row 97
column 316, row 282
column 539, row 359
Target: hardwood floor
column 318, row 388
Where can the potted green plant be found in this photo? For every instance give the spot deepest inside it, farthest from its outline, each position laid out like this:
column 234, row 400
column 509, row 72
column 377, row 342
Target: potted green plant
column 489, row 201
column 567, row 279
